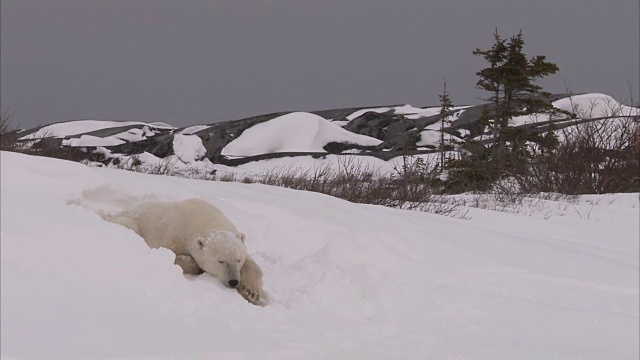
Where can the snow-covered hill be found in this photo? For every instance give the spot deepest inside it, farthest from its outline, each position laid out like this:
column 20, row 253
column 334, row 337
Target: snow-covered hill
column 347, row 281
column 372, row 134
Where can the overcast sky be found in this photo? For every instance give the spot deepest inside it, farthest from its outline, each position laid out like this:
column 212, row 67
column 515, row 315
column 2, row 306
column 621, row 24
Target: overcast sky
column 196, row 62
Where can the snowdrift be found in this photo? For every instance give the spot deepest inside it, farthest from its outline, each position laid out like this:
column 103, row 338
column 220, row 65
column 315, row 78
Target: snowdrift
column 295, row 132
column 585, row 106
column 346, row 280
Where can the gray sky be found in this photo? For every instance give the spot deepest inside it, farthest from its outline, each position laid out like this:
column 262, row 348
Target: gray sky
column 195, row 62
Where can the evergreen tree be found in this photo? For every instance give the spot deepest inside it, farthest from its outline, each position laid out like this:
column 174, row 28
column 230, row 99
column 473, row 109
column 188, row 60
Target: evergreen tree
column 509, row 79
column 445, row 113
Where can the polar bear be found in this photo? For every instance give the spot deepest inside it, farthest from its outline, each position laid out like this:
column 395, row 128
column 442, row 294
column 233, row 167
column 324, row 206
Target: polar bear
column 203, row 239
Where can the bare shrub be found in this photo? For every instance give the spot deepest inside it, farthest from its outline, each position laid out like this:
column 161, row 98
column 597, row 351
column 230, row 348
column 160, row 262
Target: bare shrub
column 200, row 174
column 44, row 145
column 512, row 201
column 228, row 177
column 164, row 167
column 411, row 186
column 8, row 136
column 596, row 157
column 47, row 148
column 135, row 161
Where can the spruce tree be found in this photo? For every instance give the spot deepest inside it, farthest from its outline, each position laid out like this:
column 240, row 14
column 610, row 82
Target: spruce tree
column 509, row 80
column 445, row 113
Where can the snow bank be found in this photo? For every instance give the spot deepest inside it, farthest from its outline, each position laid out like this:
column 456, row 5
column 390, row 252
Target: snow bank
column 89, row 140
column 585, row 106
column 294, row 132
column 594, row 105
column 188, row 148
column 346, row 280
column 83, row 126
column 130, row 135
column 429, row 137
column 193, row 129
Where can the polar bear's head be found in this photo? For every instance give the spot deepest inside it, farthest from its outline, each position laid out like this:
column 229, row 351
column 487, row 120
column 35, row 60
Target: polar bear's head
column 222, row 254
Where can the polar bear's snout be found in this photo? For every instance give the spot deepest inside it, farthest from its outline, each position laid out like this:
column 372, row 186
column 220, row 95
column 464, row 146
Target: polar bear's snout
column 231, row 275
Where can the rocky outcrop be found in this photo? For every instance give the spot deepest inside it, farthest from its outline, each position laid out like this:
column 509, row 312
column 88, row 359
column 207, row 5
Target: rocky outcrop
column 218, row 135
column 399, row 133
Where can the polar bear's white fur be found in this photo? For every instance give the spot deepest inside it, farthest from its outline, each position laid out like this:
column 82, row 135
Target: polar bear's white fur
column 202, row 238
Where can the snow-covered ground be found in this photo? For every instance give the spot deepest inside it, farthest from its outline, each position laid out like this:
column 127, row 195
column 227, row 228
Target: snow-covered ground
column 181, row 165
column 346, row 281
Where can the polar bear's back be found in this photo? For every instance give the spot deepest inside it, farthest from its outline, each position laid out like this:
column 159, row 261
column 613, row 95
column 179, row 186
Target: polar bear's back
column 171, row 224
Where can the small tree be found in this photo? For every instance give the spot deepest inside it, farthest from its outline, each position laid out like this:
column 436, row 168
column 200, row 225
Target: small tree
column 509, row 79
column 445, row 115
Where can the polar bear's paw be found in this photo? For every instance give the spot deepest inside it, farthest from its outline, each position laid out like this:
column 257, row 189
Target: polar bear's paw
column 256, row 297
column 250, row 286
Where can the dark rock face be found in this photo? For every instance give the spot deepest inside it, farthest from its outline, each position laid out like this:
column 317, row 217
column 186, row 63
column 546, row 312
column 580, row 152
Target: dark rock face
column 405, row 140
column 371, row 124
column 159, row 145
column 338, row 147
column 48, row 143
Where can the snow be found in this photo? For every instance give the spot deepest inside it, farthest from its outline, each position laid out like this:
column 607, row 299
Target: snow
column 188, row 148
column 404, row 109
column 299, row 165
column 161, row 125
column 193, row 129
column 89, row 140
column 130, row 135
column 594, row 105
column 346, row 280
column 361, row 112
column 435, row 111
column 294, row 132
column 429, row 137
column 83, row 126
column 309, row 164
column 409, row 111
column 585, row 106
column 340, row 123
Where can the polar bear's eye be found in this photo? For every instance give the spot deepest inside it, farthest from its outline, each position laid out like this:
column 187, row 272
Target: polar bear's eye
column 221, row 262
column 238, row 260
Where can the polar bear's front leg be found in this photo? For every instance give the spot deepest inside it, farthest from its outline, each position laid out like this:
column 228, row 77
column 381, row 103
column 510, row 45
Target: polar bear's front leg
column 126, row 222
column 250, row 286
column 188, row 265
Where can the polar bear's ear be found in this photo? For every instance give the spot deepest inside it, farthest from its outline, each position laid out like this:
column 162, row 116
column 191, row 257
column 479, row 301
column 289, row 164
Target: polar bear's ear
column 242, row 237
